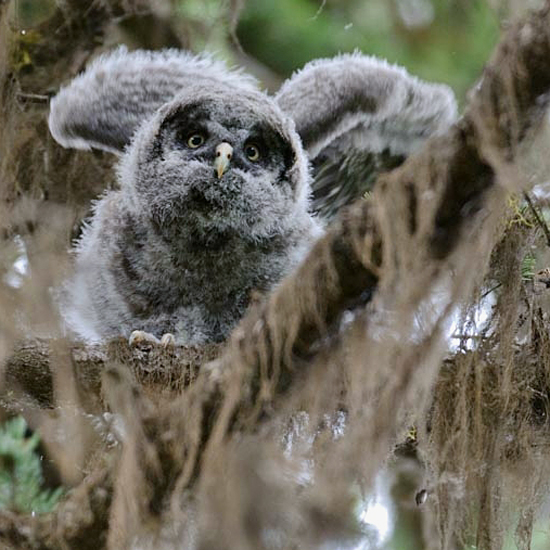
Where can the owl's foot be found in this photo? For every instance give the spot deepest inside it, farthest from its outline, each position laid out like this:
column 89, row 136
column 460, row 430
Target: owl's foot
column 140, row 338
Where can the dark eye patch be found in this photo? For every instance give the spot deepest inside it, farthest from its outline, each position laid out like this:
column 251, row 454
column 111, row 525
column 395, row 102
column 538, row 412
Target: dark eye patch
column 272, row 146
column 185, row 122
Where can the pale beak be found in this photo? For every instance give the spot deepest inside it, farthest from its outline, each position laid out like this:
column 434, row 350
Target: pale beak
column 224, row 152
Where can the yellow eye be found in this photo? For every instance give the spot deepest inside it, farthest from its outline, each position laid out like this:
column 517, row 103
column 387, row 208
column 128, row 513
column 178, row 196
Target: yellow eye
column 195, row 140
column 252, row 152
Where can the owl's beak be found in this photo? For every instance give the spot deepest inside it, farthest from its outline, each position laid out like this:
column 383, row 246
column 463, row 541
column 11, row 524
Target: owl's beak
column 224, row 151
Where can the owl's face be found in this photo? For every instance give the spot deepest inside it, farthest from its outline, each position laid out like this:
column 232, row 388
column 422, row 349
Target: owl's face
column 220, row 161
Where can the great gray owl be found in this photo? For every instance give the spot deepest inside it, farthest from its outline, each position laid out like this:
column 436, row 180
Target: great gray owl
column 215, row 179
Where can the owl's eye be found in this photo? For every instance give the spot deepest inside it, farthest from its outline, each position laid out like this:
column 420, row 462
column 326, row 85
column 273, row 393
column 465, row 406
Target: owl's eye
column 195, row 140
column 252, row 152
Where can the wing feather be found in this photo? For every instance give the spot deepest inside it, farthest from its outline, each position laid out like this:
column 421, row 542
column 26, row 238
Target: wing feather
column 104, row 106
column 357, row 116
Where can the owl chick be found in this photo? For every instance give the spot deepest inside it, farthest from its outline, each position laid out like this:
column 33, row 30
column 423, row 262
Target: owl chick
column 214, row 183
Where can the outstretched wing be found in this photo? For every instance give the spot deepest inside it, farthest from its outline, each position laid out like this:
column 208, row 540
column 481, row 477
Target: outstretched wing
column 104, row 106
column 358, row 116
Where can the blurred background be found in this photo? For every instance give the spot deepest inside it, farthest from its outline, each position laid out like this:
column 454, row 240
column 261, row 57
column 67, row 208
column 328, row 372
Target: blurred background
column 439, row 40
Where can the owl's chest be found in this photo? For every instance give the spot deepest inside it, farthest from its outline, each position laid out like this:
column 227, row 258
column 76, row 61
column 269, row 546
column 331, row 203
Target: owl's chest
column 216, row 279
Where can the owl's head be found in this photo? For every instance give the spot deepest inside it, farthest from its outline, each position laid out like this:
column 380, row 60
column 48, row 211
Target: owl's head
column 218, row 159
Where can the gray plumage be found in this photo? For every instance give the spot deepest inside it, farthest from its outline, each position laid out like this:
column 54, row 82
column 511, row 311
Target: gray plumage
column 185, row 240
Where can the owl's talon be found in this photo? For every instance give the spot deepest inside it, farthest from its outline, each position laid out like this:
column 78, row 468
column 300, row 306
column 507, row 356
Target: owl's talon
column 140, row 338
column 168, row 340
